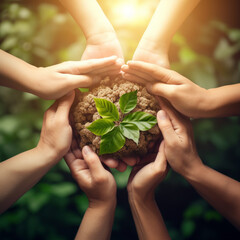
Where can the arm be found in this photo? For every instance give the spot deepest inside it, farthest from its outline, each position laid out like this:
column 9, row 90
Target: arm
column 100, row 188
column 184, row 95
column 168, row 17
column 100, row 35
column 144, row 178
column 18, row 174
column 55, row 81
column 222, row 192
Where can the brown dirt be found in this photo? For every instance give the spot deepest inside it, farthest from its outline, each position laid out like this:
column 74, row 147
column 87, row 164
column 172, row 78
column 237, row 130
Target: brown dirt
column 85, row 112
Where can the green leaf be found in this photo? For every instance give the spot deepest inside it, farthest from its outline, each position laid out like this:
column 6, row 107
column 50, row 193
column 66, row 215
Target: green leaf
column 112, row 141
column 106, row 109
column 128, row 101
column 84, row 89
column 130, row 131
column 101, row 126
column 144, row 121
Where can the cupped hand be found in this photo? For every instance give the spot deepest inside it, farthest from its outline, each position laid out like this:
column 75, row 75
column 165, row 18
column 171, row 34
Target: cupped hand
column 184, row 95
column 56, row 133
column 55, row 81
column 103, row 45
column 179, row 147
column 86, row 168
column 148, row 173
column 150, row 52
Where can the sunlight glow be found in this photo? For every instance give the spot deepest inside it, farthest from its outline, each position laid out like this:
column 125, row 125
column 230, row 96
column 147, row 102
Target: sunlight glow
column 129, row 11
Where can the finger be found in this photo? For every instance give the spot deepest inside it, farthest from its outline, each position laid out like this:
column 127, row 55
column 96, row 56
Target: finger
column 111, row 73
column 75, row 149
column 121, row 166
column 85, row 66
column 106, row 70
column 116, row 66
column 161, row 89
column 64, row 105
column 93, row 162
column 82, row 81
column 69, row 158
column 158, row 72
column 161, row 161
column 130, row 161
column 165, row 126
column 133, row 78
column 110, row 162
column 145, row 76
column 176, row 118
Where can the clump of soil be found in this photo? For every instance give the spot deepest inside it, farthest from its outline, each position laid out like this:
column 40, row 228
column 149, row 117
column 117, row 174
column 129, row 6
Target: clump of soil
column 85, row 112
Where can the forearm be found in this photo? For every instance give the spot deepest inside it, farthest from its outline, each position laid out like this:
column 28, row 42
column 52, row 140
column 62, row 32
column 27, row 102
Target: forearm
column 168, row 17
column 15, row 73
column 223, row 101
column 21, row 172
column 148, row 219
column 222, row 192
column 97, row 222
column 89, row 16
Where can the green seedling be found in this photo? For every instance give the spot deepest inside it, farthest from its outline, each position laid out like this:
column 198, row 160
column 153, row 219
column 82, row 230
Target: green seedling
column 114, row 131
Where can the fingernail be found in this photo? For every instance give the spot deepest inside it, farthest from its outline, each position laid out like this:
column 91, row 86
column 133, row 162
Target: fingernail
column 120, row 61
column 87, row 150
column 124, row 67
column 162, row 115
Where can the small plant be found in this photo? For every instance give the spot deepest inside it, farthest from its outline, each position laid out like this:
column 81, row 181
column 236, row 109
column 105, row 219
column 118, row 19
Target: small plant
column 113, row 130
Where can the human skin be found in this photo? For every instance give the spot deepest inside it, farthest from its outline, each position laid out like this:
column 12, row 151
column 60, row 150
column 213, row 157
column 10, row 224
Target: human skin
column 184, row 95
column 21, row 172
column 55, row 81
column 101, row 38
column 221, row 191
column 143, row 180
column 167, row 18
column 100, row 187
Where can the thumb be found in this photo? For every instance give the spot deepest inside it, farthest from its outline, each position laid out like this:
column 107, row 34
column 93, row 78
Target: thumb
column 161, row 161
column 165, row 126
column 91, row 158
column 162, row 89
column 64, row 104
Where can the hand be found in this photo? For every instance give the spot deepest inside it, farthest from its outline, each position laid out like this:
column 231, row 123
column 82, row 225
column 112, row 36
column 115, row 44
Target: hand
column 147, row 174
column 184, row 95
column 97, row 183
column 149, row 51
column 56, row 81
column 179, row 147
column 56, row 134
column 103, row 45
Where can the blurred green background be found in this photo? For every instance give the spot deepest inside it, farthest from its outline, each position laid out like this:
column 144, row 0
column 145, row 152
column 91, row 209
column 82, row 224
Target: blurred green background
column 206, row 50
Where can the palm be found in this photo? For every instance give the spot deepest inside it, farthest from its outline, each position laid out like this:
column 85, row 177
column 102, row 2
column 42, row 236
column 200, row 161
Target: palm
column 141, row 173
column 104, row 49
column 145, row 55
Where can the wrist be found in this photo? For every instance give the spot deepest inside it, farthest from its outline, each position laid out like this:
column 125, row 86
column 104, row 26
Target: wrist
column 136, row 197
column 103, row 205
column 159, row 46
column 51, row 156
column 192, row 171
column 102, row 37
column 137, row 202
column 207, row 103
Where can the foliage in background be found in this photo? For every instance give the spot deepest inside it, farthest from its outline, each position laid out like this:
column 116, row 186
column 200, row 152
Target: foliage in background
column 54, row 207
